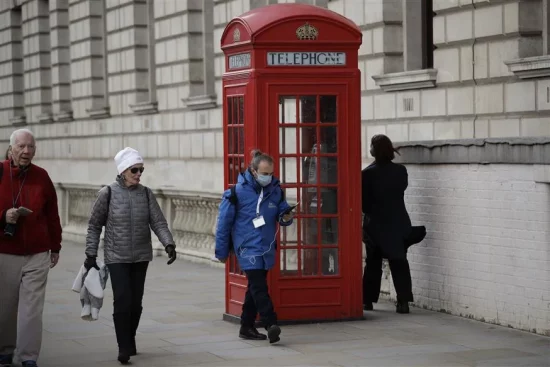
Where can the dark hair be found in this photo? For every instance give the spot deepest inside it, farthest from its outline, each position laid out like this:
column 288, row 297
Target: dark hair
column 382, row 148
column 257, row 157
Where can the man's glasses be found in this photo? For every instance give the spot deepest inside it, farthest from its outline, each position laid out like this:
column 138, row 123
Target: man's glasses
column 136, row 169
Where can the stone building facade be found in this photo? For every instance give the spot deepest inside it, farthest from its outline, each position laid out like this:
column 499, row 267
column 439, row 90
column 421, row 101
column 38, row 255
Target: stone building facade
column 462, row 85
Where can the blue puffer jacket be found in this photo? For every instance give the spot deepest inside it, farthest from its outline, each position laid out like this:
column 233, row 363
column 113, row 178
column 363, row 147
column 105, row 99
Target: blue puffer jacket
column 255, row 247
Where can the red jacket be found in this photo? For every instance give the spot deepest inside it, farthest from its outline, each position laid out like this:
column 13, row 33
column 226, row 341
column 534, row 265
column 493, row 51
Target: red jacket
column 39, row 231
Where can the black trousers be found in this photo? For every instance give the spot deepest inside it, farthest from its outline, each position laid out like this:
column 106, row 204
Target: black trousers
column 372, row 277
column 128, row 282
column 257, row 300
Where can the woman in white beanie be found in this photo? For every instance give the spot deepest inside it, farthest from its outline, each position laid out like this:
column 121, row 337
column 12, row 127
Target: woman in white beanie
column 129, row 211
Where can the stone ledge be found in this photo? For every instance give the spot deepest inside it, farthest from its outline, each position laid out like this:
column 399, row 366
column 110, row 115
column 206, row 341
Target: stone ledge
column 99, row 113
column 63, row 116
column 18, row 120
column 45, row 118
column 145, row 108
column 416, row 79
column 480, row 151
column 201, row 102
column 530, row 67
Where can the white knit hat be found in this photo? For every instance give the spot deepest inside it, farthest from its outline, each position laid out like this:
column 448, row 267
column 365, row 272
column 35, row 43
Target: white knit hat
column 126, row 158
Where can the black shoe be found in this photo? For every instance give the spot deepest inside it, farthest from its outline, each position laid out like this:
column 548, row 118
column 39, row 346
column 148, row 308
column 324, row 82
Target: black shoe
column 6, row 360
column 29, row 364
column 402, row 307
column 123, row 356
column 251, row 333
column 273, row 333
column 368, row 306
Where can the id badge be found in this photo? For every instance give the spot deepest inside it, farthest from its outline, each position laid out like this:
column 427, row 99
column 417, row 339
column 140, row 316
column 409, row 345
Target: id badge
column 258, row 222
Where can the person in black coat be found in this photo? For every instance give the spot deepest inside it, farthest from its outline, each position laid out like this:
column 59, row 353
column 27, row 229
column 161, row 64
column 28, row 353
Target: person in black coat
column 386, row 225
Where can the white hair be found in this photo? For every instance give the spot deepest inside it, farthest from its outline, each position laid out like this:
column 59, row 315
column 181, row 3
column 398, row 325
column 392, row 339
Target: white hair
column 16, row 133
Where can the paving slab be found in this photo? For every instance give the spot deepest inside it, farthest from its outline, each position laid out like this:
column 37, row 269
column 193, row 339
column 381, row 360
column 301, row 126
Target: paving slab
column 181, row 326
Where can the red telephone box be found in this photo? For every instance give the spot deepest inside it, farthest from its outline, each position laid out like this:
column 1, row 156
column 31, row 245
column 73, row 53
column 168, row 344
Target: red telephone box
column 292, row 89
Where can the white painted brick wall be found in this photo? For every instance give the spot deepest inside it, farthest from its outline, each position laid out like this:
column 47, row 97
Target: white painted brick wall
column 487, row 253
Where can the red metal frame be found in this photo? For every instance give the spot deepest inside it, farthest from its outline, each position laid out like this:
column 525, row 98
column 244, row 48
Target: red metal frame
column 308, row 291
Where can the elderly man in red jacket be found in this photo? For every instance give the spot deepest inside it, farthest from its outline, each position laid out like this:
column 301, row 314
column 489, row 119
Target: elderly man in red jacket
column 30, row 240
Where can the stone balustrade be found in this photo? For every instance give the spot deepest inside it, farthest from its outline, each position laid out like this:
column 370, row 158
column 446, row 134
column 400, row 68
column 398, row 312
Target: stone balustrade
column 191, row 217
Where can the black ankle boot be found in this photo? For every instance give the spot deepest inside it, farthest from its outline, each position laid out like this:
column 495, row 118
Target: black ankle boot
column 367, row 306
column 251, row 333
column 123, row 356
column 136, row 316
column 402, row 307
column 123, row 329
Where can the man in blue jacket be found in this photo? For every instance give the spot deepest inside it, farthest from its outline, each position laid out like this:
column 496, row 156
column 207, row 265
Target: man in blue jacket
column 249, row 225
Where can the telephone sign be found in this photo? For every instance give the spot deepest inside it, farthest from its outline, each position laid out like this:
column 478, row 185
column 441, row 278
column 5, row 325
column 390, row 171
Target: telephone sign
column 306, row 58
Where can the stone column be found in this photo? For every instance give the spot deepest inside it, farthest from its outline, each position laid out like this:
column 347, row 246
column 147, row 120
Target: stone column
column 202, row 94
column 37, row 61
column 88, row 59
column 128, row 40
column 61, row 60
column 11, row 67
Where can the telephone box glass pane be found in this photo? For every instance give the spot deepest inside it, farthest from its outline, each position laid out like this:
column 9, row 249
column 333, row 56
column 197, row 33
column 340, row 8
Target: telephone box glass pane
column 328, row 109
column 328, row 138
column 329, row 170
column 241, row 110
column 287, row 140
column 310, row 234
column 308, row 139
column 310, row 261
column 308, row 109
column 289, row 261
column 329, row 231
column 288, row 169
column 291, row 195
column 329, row 261
column 329, row 200
column 287, row 110
column 308, row 200
column 289, row 234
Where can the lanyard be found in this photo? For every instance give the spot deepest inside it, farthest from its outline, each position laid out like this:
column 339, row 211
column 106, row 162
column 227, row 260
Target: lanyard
column 20, row 187
column 259, row 202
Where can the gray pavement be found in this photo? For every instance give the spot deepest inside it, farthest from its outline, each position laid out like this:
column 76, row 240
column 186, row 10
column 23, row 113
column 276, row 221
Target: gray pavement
column 182, row 326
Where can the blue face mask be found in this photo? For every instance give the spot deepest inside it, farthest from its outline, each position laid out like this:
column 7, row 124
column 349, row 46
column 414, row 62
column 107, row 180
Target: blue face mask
column 264, row 180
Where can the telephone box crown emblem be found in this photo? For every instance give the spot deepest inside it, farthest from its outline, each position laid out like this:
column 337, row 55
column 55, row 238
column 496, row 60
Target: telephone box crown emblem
column 307, row 32
column 236, row 35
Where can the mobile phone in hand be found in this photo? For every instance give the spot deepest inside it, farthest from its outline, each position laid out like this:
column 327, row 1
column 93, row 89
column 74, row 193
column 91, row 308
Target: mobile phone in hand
column 291, row 209
column 22, row 211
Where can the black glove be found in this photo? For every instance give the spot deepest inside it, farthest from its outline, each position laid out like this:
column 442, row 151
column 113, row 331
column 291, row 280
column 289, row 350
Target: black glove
column 171, row 251
column 90, row 263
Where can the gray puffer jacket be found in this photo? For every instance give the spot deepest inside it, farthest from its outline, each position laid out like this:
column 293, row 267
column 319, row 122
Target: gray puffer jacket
column 128, row 220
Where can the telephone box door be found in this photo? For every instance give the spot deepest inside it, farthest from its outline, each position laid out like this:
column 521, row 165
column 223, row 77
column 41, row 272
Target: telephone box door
column 309, row 132
column 234, row 134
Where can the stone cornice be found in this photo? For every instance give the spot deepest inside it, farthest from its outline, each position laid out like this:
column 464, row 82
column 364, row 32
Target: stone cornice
column 530, row 67
column 476, row 151
column 407, row 80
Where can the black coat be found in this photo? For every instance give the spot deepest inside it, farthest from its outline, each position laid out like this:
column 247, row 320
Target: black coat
column 387, row 223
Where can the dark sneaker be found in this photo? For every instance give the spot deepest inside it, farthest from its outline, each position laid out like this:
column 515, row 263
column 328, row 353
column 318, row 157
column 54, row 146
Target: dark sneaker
column 402, row 307
column 251, row 333
column 6, row 360
column 123, row 356
column 29, row 364
column 368, row 306
column 273, row 333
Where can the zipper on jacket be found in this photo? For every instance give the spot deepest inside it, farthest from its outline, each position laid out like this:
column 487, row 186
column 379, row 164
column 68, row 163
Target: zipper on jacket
column 131, row 222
